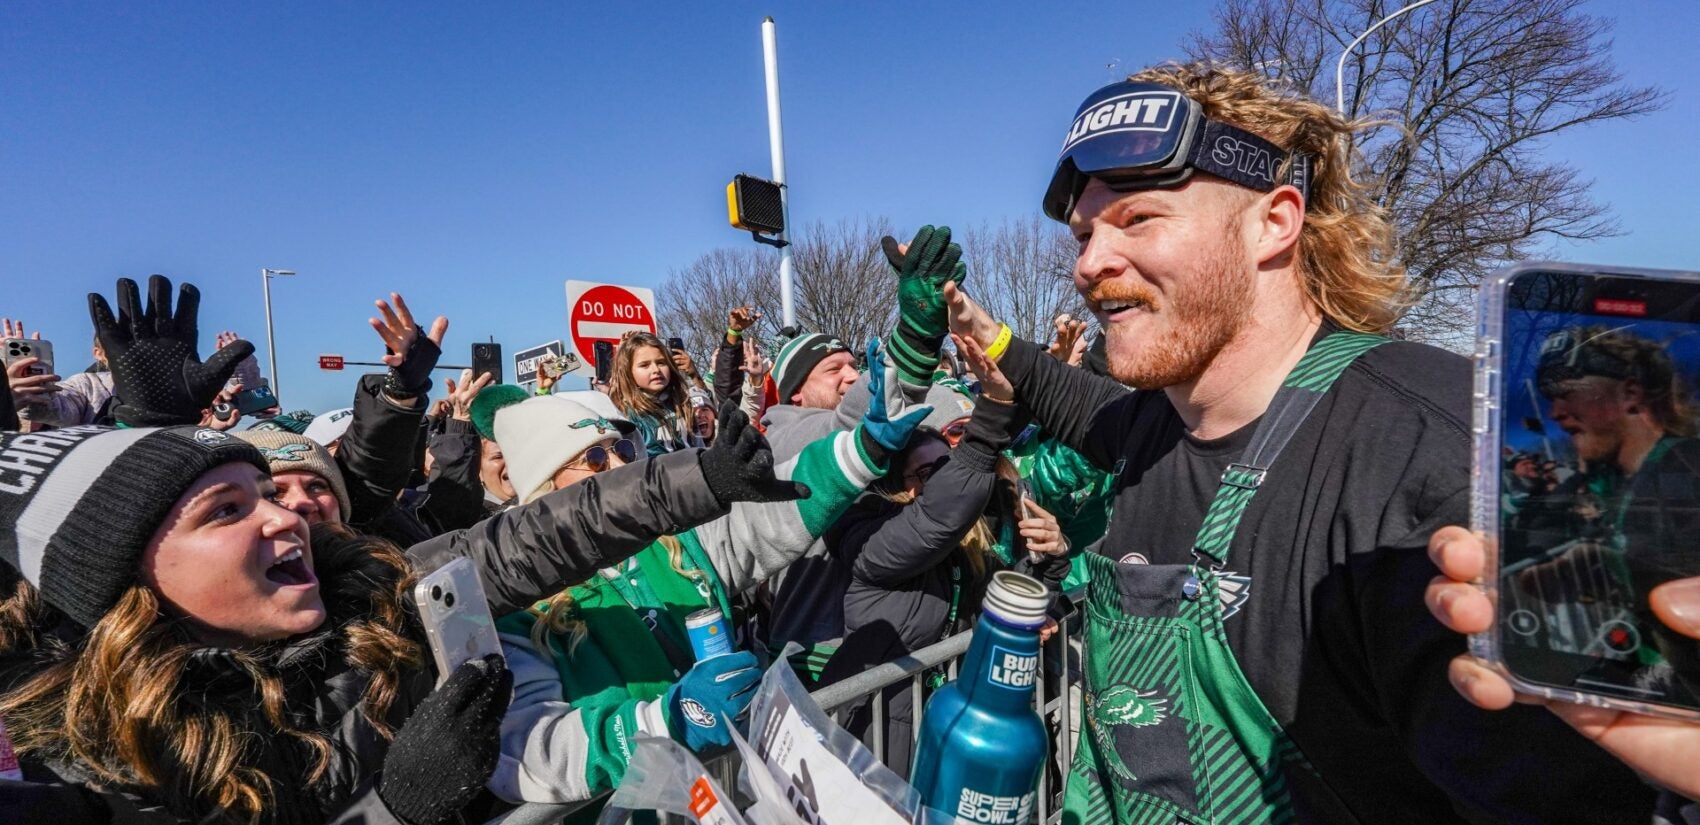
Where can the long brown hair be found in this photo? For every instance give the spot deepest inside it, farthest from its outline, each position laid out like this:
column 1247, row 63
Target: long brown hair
column 120, row 702
column 634, row 400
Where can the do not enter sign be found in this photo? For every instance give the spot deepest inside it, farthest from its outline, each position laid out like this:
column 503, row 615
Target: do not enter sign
column 604, row 312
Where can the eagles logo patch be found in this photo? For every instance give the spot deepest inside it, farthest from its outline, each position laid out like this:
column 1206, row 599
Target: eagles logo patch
column 696, row 714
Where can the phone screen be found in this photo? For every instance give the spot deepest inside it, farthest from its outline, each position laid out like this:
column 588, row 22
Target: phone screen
column 1599, row 442
column 604, row 361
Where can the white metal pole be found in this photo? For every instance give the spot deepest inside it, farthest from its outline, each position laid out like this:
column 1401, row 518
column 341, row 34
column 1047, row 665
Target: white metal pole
column 271, row 349
column 776, row 144
column 1340, row 66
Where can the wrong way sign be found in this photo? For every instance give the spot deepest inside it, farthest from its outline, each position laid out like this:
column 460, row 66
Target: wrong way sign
column 604, row 312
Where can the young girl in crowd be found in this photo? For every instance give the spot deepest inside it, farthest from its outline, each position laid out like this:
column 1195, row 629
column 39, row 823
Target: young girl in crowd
column 604, row 661
column 653, row 395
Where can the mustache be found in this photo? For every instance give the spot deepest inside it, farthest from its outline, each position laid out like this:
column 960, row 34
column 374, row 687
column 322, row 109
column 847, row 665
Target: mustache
column 1135, row 294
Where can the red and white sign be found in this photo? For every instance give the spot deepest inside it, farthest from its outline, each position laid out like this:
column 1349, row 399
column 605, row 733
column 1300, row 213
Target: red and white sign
column 604, row 312
column 330, row 362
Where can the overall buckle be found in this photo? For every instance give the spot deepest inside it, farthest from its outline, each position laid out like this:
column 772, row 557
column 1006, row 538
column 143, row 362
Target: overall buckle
column 1244, row 476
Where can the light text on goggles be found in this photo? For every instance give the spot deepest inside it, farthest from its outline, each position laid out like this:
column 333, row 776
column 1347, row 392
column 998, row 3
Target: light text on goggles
column 1148, row 136
column 595, row 458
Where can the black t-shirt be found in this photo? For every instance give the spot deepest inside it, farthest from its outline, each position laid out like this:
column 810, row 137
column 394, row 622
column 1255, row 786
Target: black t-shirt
column 1332, row 631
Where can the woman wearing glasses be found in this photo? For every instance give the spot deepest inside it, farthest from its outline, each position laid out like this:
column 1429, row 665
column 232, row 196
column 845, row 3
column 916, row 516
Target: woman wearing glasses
column 608, row 659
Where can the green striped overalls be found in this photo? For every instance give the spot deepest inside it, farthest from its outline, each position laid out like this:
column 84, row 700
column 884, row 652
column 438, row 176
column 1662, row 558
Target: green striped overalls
column 1171, row 731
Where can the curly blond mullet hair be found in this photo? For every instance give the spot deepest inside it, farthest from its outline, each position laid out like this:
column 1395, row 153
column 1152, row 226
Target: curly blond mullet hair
column 1345, row 252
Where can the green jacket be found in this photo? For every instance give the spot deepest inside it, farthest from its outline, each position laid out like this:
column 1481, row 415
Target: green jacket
column 577, row 710
column 1068, row 487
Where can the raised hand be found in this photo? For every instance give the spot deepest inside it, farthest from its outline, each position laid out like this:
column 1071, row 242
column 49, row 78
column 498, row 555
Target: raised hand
column 462, row 393
column 739, row 321
column 968, row 318
column 1069, row 345
column 739, row 467
column 157, row 372
column 994, row 384
column 890, row 419
column 756, row 364
column 15, row 329
column 923, row 267
column 413, row 352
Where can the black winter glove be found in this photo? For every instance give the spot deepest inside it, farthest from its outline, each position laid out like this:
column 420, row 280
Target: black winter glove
column 739, row 467
column 413, row 377
column 156, row 365
column 446, row 751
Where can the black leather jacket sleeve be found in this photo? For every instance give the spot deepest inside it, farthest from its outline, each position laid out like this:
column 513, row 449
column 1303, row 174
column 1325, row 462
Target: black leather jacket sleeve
column 532, row 551
column 376, row 454
column 456, row 495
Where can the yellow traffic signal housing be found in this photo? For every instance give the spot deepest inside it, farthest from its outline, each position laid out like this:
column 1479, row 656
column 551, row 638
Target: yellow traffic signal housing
column 755, row 205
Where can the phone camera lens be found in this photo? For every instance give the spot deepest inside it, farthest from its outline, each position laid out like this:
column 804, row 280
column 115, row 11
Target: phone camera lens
column 436, row 593
column 449, row 600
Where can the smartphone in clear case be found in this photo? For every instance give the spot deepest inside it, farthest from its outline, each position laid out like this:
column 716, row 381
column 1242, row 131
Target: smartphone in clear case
column 456, row 616
column 1587, row 480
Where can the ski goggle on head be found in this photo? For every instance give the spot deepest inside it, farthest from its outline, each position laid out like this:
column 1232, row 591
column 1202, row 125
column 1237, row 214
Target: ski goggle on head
column 1135, row 136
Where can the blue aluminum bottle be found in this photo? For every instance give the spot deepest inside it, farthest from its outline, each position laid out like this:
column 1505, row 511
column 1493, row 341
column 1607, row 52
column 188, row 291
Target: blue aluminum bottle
column 982, row 743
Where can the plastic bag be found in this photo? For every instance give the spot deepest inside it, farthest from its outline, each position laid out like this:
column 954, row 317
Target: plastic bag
column 827, row 775
column 664, row 776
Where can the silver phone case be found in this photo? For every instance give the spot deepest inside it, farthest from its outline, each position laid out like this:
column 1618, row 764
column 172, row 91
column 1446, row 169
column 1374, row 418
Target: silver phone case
column 466, row 630
column 28, row 348
column 1488, row 399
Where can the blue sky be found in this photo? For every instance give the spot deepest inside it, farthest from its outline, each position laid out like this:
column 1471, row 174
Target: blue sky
column 476, row 157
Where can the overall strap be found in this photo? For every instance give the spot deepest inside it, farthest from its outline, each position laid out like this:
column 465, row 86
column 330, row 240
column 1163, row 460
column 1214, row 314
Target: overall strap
column 1310, row 379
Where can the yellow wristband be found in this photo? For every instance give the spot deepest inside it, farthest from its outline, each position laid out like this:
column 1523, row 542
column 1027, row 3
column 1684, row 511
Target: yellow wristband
column 1000, row 343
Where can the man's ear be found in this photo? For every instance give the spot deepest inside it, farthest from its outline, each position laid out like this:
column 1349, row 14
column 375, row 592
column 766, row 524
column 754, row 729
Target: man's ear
column 1634, row 397
column 1280, row 217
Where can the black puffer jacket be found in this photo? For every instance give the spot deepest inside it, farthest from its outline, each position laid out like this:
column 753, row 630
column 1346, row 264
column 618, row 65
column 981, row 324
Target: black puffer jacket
column 524, row 554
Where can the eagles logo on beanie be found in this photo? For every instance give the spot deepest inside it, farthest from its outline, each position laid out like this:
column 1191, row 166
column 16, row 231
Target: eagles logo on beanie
column 79, row 506
column 288, row 452
column 798, row 358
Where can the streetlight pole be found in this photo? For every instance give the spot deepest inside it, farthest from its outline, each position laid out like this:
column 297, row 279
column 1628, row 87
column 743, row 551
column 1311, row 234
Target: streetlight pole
column 1340, row 67
column 776, row 148
column 266, row 276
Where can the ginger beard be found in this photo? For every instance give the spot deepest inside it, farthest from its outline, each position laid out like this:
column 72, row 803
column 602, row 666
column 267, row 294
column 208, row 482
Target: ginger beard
column 1187, row 331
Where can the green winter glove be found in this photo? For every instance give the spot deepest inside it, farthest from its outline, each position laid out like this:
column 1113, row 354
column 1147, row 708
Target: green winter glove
column 931, row 261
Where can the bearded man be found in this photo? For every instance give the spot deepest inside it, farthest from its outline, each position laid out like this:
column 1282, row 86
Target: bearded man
column 1258, row 648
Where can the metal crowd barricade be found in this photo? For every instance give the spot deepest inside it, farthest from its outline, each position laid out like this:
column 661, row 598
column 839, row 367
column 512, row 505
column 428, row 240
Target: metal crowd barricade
column 1061, row 714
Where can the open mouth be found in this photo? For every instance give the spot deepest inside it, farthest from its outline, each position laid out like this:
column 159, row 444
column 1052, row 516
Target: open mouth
column 291, row 570
column 1116, row 310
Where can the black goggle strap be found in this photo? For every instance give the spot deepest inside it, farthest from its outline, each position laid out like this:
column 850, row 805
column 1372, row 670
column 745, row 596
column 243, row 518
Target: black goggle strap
column 1234, row 154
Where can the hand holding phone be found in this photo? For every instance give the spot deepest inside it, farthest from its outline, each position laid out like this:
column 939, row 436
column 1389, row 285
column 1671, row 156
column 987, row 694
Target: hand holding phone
column 604, row 352
column 1587, row 482
column 17, row 349
column 456, row 616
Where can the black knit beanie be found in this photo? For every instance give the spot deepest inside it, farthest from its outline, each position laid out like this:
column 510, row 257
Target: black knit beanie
column 78, row 506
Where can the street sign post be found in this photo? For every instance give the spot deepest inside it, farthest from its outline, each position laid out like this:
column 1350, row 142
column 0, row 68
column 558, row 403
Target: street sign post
column 525, row 362
column 604, row 312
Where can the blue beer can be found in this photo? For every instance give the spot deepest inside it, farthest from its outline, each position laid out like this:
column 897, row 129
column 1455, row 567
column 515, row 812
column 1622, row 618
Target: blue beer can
column 709, row 633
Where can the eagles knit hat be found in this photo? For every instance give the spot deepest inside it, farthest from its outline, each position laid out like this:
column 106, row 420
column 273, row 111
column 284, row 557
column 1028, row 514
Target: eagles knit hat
column 328, row 427
column 287, row 452
column 540, row 434
column 950, row 400
column 798, row 358
column 78, row 506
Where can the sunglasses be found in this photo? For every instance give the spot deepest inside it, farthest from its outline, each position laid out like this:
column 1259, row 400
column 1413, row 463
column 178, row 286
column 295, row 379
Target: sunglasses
column 596, row 458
